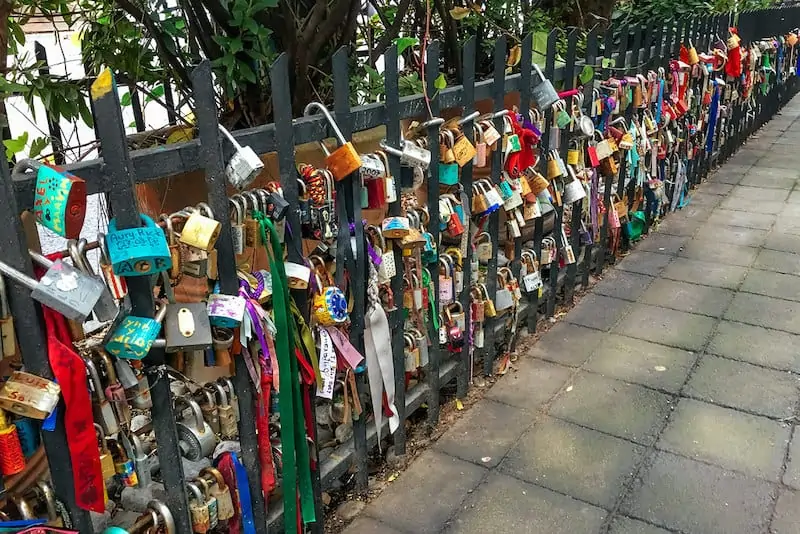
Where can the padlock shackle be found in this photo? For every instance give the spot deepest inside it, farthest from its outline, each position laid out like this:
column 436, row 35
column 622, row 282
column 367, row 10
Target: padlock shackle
column 469, row 118
column 216, row 475
column 222, row 396
column 49, row 499
column 390, row 149
column 17, row 276
column 101, row 437
column 4, row 307
column 164, row 514
column 195, row 491
column 327, row 114
column 94, row 376
column 230, row 137
column 25, row 165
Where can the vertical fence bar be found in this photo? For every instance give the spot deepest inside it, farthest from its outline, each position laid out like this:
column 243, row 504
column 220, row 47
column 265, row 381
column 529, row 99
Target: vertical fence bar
column 549, row 72
column 524, row 99
column 636, row 51
column 122, row 201
column 591, row 59
column 622, row 63
column 498, row 97
column 647, row 44
column 607, row 182
column 52, row 124
column 577, row 207
column 207, row 125
column 434, row 352
column 33, row 348
column 348, row 192
column 468, row 106
column 391, row 85
column 169, row 101
column 284, row 139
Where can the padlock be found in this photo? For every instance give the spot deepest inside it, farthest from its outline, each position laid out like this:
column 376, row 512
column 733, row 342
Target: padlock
column 227, row 418
column 573, row 189
column 513, row 228
column 503, row 297
column 123, row 465
column 244, row 166
column 513, row 200
column 411, row 155
column 537, row 182
column 175, row 249
column 478, row 336
column 479, row 203
column 553, row 166
column 410, row 353
column 196, row 437
column 446, row 293
column 221, row 343
column 543, row 93
column 343, row 161
column 483, row 247
column 389, row 185
column 134, row 336
column 275, row 204
column 493, row 196
column 200, row 230
column 186, row 327
column 60, row 199
column 479, row 160
column 114, row 282
column 138, row 251
column 62, row 288
column 233, row 399
column 225, row 310
column 201, row 522
column 463, row 150
column 205, row 398
column 477, row 307
column 373, row 181
column 106, row 308
column 12, row 459
column 489, row 309
column 115, row 392
column 448, row 168
column 210, row 501
column 8, row 338
column 511, row 142
column 162, row 520
column 106, row 460
column 141, row 461
column 102, row 409
column 562, row 118
column 220, row 491
column 29, row 395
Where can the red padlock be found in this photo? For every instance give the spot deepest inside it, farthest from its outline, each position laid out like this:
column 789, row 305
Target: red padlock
column 454, row 226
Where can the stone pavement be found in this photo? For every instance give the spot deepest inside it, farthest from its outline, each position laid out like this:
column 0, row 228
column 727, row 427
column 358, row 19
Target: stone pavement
column 665, row 401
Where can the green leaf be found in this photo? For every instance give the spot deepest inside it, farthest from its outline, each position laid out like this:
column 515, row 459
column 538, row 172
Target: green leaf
column 104, row 20
column 247, row 72
column 38, row 144
column 85, row 113
column 586, row 74
column 157, row 91
column 17, row 32
column 15, row 145
column 540, row 48
column 607, row 63
column 404, row 42
column 235, row 45
column 126, row 99
column 180, row 24
column 251, row 25
column 440, row 82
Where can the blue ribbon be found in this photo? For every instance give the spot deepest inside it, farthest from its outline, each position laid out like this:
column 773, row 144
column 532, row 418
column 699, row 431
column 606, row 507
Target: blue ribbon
column 248, row 523
column 713, row 111
column 660, row 101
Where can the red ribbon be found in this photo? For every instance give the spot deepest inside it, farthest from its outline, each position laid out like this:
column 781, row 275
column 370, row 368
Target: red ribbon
column 226, row 468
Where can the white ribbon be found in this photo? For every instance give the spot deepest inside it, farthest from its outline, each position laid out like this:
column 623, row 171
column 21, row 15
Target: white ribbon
column 327, row 365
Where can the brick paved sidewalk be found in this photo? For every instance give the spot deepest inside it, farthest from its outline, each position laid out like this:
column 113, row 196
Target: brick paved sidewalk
column 663, row 402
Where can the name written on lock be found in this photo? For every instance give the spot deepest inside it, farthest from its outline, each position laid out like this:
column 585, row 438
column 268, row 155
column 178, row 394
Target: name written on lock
column 137, row 239
column 50, row 199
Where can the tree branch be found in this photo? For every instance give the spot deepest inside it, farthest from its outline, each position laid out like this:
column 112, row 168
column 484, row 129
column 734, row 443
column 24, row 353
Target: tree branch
column 391, row 31
column 220, row 15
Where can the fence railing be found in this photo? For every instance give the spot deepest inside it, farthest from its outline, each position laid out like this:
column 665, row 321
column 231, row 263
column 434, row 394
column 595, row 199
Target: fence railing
column 637, row 50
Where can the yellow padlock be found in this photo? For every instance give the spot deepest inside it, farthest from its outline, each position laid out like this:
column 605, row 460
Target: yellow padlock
column 343, row 161
column 201, row 230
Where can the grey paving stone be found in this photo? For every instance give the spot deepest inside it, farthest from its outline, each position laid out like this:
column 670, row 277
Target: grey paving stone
column 765, row 311
column 642, row 362
column 714, row 251
column 665, row 326
column 734, row 235
column 368, row 525
column 782, row 262
column 770, row 207
column 761, row 221
column 716, row 188
column 758, row 194
column 689, row 496
column 677, row 224
column 695, row 212
column 728, row 438
column 662, row 243
column 740, row 163
column 794, row 196
column 787, row 225
column 598, row 311
column 574, row 460
column 687, row 297
column 787, row 513
column 784, row 286
column 622, row 285
column 626, row 525
column 644, row 263
column 747, row 343
column 710, row 199
column 625, row 410
column 433, row 486
column 772, row 179
column 504, row 504
column 567, row 344
column 725, row 176
column 764, row 169
column 744, row 386
column 705, row 273
column 792, row 475
column 780, row 148
column 531, row 385
column 779, row 161
column 790, row 209
column 783, row 242
column 487, row 430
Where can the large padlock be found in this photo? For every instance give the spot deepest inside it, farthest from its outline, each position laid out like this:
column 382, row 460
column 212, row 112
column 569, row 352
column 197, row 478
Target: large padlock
column 60, row 199
column 543, row 93
column 133, row 337
column 62, row 288
column 446, row 293
column 138, row 251
column 343, row 161
column 186, row 324
column 102, row 410
column 8, row 337
column 200, row 230
column 106, row 308
column 573, row 189
column 115, row 283
column 483, row 247
column 244, row 166
column 196, row 437
column 201, row 522
column 220, row 491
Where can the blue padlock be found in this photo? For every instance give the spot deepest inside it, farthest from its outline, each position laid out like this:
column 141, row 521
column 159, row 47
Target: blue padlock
column 134, row 336
column 138, row 251
column 28, row 432
column 448, row 173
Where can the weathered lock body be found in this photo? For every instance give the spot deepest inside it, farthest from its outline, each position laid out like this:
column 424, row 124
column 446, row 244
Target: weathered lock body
column 196, row 437
column 102, row 409
column 186, row 327
column 115, row 283
column 233, row 399
column 221, row 491
column 200, row 230
column 8, row 337
column 543, row 93
column 139, row 251
column 60, row 198
column 209, row 408
column 63, row 288
column 225, row 310
column 411, row 354
column 106, row 307
column 124, row 466
column 227, row 417
column 106, row 460
column 343, row 161
column 237, row 224
column 201, row 522
column 29, row 395
column 210, row 501
column 134, row 336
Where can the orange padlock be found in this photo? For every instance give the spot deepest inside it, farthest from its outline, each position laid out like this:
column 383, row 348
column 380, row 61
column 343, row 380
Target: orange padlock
column 343, row 161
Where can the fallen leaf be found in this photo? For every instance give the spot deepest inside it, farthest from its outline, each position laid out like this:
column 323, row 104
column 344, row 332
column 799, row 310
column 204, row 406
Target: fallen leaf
column 660, row 368
column 459, row 13
column 569, row 389
column 393, row 477
column 180, row 135
column 486, row 459
column 459, row 405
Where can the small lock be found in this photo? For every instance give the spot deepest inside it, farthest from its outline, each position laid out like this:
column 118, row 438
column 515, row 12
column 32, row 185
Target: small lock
column 244, row 166
column 133, row 336
column 225, row 310
column 220, row 491
column 101, row 408
column 138, row 251
column 106, row 307
column 115, row 283
column 124, row 466
column 106, row 460
column 464, row 150
column 200, row 230
column 201, row 522
column 227, row 416
column 60, row 198
column 343, row 161
column 490, row 133
column 411, row 354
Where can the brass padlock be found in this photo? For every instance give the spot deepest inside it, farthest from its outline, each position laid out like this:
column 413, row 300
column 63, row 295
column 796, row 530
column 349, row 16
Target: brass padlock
column 227, row 418
column 210, row 502
column 237, row 225
column 233, row 399
column 411, row 353
column 8, row 338
column 221, row 491
column 174, row 247
column 489, row 309
column 200, row 230
column 29, row 395
column 102, row 410
column 106, row 460
column 209, row 407
column 343, row 161
column 446, row 143
column 201, row 522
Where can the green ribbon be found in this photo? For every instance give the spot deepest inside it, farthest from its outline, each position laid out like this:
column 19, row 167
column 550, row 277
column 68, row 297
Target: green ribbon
column 294, row 447
column 427, row 282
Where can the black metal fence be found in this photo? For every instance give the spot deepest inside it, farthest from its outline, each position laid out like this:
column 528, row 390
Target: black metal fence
column 631, row 51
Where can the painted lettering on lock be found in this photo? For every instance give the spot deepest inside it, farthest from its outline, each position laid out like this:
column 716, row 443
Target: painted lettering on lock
column 52, row 192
